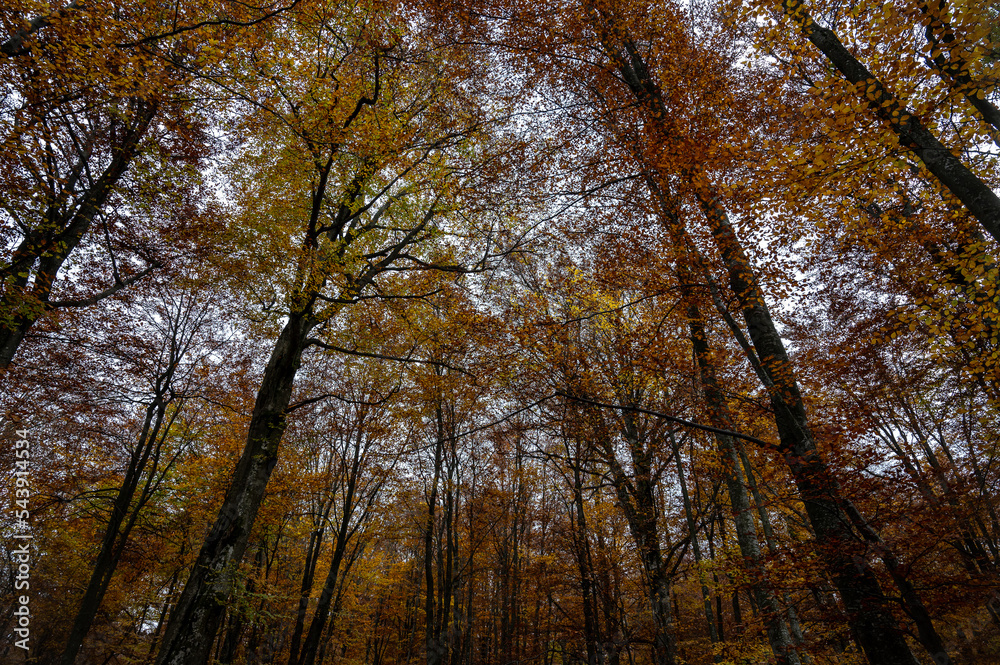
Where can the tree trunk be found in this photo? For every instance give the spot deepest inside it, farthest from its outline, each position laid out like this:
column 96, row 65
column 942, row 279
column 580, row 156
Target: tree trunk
column 435, row 654
column 638, row 502
column 308, row 573
column 581, row 546
column 746, row 531
column 195, row 620
column 143, row 460
column 706, row 596
column 51, row 248
column 793, row 620
column 948, row 169
column 720, row 416
column 318, row 625
column 344, row 533
column 868, row 613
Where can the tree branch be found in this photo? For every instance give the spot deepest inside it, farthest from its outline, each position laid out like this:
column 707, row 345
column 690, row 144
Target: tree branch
column 14, row 46
column 673, row 419
column 110, row 291
column 312, row 341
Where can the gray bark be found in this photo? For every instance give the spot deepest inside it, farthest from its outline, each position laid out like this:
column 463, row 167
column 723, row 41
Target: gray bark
column 867, row 608
column 948, row 169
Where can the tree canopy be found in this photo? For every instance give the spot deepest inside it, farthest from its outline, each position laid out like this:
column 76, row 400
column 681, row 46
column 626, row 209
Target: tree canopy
column 585, row 332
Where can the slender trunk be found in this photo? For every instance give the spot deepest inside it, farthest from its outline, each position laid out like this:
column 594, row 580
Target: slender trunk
column 117, row 531
column 317, row 627
column 746, row 530
column 926, row 633
column 720, row 627
column 638, row 502
column 320, row 617
column 470, row 615
column 161, row 621
column 721, row 417
column 706, row 596
column 772, row 548
column 431, row 636
column 610, row 593
column 787, row 405
column 581, row 544
column 446, row 560
column 308, row 573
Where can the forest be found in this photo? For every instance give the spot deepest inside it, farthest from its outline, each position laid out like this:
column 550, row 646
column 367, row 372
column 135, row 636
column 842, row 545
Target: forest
column 500, row 332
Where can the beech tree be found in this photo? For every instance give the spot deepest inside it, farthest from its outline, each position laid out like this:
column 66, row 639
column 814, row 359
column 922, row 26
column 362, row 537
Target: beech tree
column 480, row 333
column 370, row 168
column 102, row 150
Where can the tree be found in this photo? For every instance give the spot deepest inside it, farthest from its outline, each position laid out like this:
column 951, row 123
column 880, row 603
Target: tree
column 179, row 356
column 103, row 149
column 589, row 333
column 369, row 167
column 620, row 67
column 974, row 193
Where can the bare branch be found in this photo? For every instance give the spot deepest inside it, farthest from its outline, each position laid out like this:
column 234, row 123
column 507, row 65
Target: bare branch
column 673, row 419
column 110, row 291
column 312, row 341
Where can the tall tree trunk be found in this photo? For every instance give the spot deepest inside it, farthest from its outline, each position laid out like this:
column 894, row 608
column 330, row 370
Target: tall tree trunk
column 434, row 653
column 143, row 461
column 706, row 596
column 610, row 593
column 161, row 621
column 584, row 561
column 330, row 597
column 720, row 416
column 195, row 619
column 638, row 502
column 720, row 625
column 868, row 612
column 746, row 531
column 318, row 626
column 765, row 521
column 308, row 573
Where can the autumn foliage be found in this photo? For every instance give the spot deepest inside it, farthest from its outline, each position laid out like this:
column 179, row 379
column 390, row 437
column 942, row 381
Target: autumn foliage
column 593, row 332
